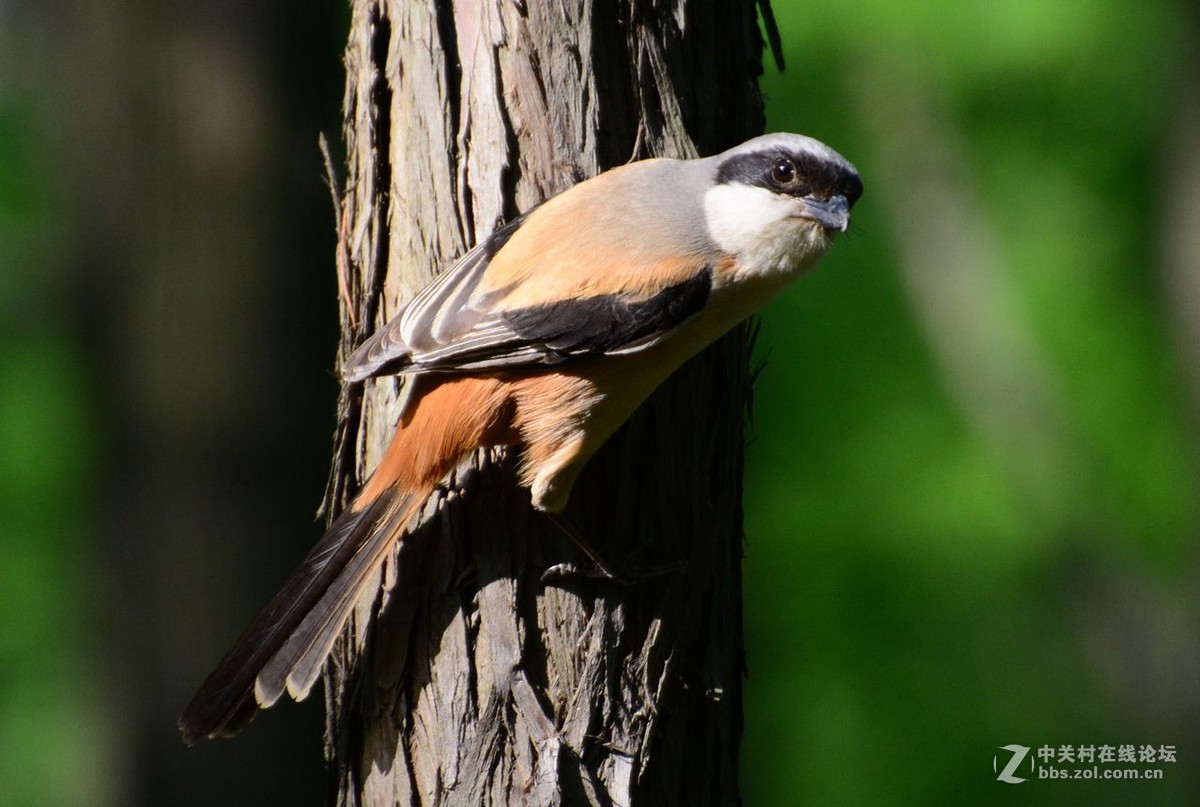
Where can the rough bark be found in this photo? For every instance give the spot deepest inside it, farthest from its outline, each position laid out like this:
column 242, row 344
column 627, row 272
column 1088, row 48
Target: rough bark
column 466, row 680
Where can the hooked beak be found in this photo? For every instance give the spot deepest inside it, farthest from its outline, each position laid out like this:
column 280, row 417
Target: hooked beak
column 832, row 213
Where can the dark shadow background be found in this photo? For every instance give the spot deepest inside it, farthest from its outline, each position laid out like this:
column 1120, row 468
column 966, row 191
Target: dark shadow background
column 168, row 332
column 971, row 500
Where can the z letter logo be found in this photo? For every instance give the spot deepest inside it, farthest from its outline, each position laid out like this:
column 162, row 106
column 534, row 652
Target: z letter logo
column 1018, row 756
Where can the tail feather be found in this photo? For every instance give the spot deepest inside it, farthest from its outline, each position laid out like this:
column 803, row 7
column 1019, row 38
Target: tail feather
column 285, row 648
column 297, row 666
column 286, row 645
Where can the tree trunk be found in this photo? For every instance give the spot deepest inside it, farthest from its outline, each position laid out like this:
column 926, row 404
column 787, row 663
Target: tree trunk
column 466, row 680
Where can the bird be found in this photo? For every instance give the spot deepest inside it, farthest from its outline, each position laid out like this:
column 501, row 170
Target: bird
column 545, row 337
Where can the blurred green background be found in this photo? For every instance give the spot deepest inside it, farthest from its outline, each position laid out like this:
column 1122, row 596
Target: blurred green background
column 971, row 497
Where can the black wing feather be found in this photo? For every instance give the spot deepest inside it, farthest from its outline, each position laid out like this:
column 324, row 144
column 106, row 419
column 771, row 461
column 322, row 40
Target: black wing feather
column 609, row 323
column 449, row 327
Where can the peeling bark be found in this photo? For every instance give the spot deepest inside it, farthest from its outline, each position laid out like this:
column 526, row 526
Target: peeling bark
column 466, row 680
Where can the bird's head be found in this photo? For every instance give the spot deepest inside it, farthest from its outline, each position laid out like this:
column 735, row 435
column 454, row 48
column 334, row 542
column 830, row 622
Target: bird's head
column 778, row 201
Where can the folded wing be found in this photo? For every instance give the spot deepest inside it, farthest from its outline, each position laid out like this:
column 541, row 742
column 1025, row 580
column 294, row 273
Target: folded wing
column 523, row 300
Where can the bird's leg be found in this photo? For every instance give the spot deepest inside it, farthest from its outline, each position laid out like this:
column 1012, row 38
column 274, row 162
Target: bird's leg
column 601, row 569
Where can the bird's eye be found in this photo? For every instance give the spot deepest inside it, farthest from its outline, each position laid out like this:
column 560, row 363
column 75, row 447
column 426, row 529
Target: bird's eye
column 783, row 172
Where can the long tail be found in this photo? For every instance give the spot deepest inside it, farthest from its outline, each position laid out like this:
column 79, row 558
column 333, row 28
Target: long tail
column 285, row 648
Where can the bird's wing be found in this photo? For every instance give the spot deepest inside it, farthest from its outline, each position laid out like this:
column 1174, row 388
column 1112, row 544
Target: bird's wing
column 523, row 300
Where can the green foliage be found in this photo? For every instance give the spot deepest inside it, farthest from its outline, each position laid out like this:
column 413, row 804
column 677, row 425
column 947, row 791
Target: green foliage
column 47, row 699
column 924, row 585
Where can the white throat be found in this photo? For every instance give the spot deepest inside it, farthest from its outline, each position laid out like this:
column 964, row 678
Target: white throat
column 761, row 228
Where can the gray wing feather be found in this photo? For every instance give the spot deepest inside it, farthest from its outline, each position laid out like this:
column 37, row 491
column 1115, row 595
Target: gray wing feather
column 450, row 327
column 438, row 324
